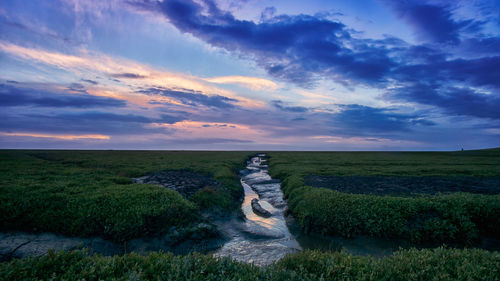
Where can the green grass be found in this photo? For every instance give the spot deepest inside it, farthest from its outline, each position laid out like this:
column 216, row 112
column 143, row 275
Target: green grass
column 436, row 264
column 460, row 163
column 444, row 218
column 87, row 193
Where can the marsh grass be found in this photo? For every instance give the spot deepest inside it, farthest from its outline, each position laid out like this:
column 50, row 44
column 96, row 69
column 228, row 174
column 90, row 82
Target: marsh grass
column 436, row 264
column 443, row 218
column 87, row 193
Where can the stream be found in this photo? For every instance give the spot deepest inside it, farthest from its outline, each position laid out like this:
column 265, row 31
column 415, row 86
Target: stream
column 257, row 239
column 262, row 240
column 260, row 237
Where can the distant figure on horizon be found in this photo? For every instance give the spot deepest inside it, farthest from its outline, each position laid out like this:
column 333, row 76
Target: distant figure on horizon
column 462, row 149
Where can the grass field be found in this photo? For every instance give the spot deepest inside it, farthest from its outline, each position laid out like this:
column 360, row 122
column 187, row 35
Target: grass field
column 436, row 264
column 88, row 193
column 91, row 193
column 454, row 217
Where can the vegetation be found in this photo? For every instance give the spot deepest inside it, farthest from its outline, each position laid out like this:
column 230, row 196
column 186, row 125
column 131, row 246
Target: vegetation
column 455, row 217
column 437, row 264
column 92, row 193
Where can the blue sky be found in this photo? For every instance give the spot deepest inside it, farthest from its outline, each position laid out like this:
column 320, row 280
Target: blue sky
column 256, row 75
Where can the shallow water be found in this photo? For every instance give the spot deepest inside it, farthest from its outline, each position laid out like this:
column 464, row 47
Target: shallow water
column 253, row 239
column 257, row 239
column 261, row 241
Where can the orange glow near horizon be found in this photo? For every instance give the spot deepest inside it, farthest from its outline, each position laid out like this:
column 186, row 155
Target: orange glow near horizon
column 54, row 136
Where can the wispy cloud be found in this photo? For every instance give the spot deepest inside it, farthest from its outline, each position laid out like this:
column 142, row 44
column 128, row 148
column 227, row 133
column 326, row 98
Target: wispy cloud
column 137, row 75
column 253, row 83
column 24, row 96
column 56, row 136
column 191, row 98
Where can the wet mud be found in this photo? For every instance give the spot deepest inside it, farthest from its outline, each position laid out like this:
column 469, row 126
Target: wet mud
column 405, row 186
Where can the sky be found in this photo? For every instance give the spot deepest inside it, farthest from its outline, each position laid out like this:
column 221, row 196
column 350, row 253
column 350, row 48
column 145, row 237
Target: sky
column 250, row 75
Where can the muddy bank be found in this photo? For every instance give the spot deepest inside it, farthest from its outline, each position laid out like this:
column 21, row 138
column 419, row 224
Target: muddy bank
column 405, row 186
column 184, row 182
column 202, row 237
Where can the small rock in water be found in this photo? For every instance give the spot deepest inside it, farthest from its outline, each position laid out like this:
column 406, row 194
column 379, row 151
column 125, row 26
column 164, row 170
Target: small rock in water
column 257, row 208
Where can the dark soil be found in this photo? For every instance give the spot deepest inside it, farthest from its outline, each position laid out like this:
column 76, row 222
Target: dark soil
column 202, row 238
column 185, row 182
column 402, row 186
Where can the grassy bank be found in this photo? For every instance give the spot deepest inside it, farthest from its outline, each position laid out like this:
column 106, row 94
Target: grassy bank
column 437, row 264
column 449, row 218
column 87, row 193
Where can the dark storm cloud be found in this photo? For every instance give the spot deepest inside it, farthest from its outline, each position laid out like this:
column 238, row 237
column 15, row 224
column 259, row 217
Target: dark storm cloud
column 17, row 96
column 283, row 45
column 303, row 48
column 84, row 122
column 192, row 98
column 480, row 72
column 433, row 22
column 122, row 118
column 279, row 105
column 487, row 46
column 456, row 101
column 358, row 120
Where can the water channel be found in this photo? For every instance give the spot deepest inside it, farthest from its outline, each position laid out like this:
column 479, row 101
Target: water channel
column 252, row 238
column 258, row 239
column 263, row 240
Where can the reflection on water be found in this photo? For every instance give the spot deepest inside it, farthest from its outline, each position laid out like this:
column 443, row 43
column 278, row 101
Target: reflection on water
column 261, row 240
column 257, row 239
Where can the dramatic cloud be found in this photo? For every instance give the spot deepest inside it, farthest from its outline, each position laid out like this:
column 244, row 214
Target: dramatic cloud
column 212, row 74
column 89, row 122
column 301, row 48
column 16, row 96
column 283, row 45
column 432, row 22
column 358, row 120
column 456, row 101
